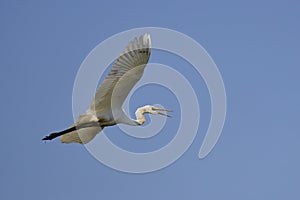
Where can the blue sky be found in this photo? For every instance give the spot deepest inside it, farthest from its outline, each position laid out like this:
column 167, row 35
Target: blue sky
column 256, row 47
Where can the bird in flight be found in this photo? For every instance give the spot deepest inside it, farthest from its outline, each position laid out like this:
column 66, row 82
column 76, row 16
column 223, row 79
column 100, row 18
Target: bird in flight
column 106, row 107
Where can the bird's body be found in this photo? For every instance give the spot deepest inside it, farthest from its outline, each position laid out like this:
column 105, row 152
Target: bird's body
column 106, row 107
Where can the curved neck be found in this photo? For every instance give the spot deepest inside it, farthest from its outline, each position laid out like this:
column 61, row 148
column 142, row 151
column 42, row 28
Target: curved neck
column 140, row 118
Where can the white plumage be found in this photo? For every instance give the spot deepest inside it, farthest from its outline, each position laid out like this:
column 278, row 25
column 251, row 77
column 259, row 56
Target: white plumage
column 106, row 107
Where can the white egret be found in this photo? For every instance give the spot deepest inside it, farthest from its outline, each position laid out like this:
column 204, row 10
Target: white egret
column 106, row 107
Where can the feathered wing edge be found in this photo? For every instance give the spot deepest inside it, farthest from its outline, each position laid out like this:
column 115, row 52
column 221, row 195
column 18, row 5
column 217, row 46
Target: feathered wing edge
column 135, row 55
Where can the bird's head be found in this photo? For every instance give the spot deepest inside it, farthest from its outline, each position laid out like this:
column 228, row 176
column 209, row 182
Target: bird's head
column 151, row 110
column 155, row 110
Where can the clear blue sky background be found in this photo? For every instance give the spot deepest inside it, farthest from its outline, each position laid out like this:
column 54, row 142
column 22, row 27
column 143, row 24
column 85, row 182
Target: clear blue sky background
column 256, row 47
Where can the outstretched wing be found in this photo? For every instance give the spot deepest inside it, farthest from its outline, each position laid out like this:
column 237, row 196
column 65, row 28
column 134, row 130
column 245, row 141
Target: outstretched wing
column 126, row 71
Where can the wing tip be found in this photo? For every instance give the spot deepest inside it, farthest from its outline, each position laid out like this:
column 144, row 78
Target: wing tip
column 147, row 39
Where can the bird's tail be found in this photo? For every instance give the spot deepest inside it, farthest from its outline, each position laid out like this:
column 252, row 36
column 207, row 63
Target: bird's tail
column 71, row 135
column 81, row 136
